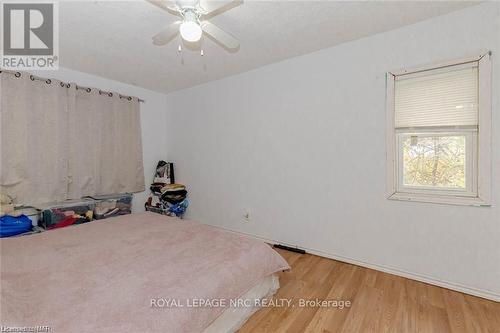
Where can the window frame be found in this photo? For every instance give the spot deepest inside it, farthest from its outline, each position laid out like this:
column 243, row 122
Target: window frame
column 478, row 170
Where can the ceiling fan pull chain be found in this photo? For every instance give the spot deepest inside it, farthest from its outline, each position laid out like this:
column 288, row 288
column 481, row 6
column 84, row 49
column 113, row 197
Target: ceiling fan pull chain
column 179, row 49
column 202, row 53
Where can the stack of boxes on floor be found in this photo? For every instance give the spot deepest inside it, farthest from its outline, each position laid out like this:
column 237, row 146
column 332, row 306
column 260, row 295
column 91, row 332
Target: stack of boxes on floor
column 167, row 197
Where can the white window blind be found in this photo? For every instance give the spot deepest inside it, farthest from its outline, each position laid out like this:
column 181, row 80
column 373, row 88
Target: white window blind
column 441, row 97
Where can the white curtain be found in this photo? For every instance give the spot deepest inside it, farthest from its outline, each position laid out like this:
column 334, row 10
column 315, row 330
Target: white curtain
column 33, row 125
column 106, row 155
column 59, row 142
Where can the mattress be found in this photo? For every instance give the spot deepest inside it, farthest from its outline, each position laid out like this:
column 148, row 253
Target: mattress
column 233, row 318
column 107, row 276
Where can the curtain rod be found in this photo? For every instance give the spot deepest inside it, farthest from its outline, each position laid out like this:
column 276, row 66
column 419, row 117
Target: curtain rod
column 67, row 85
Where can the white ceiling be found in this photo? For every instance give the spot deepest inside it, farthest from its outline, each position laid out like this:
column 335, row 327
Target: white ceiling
column 112, row 39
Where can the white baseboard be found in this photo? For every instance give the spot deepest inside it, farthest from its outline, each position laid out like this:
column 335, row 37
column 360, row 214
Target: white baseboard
column 487, row 294
column 414, row 276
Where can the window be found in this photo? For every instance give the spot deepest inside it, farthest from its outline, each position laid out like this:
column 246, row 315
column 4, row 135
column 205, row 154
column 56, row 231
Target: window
column 438, row 136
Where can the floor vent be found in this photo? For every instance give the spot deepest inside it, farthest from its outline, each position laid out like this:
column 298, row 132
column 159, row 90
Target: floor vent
column 288, row 248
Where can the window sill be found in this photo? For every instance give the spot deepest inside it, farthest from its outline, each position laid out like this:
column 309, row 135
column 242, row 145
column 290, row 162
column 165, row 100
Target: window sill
column 440, row 199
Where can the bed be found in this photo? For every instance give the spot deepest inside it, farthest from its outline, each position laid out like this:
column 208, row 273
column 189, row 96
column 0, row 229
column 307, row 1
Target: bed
column 135, row 273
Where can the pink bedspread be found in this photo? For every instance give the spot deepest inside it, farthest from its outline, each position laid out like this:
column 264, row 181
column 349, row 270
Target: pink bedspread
column 102, row 276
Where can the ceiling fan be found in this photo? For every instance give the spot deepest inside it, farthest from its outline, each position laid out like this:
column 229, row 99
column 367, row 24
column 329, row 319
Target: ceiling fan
column 194, row 22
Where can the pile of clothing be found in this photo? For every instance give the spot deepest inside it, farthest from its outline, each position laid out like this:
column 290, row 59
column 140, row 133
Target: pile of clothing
column 169, row 193
column 60, row 217
column 171, row 198
column 111, row 205
column 168, row 198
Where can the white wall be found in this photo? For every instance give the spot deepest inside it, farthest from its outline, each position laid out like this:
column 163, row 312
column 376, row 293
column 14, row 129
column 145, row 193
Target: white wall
column 153, row 118
column 301, row 144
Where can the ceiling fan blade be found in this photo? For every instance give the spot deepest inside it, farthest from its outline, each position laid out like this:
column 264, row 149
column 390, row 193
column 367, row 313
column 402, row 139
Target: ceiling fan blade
column 163, row 4
column 167, row 5
column 167, row 34
column 220, row 35
column 212, row 8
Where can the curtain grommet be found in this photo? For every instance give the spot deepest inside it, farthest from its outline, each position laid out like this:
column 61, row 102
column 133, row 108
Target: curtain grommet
column 18, row 74
column 48, row 81
column 32, row 78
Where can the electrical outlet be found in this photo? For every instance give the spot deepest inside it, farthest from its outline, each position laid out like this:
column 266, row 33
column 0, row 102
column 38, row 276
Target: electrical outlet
column 246, row 216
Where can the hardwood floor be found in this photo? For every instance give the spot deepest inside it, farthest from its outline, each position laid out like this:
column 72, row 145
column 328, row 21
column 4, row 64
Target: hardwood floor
column 381, row 302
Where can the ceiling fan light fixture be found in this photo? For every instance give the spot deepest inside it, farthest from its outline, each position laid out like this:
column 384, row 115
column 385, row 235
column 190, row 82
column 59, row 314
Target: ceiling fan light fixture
column 194, row 22
column 190, row 31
